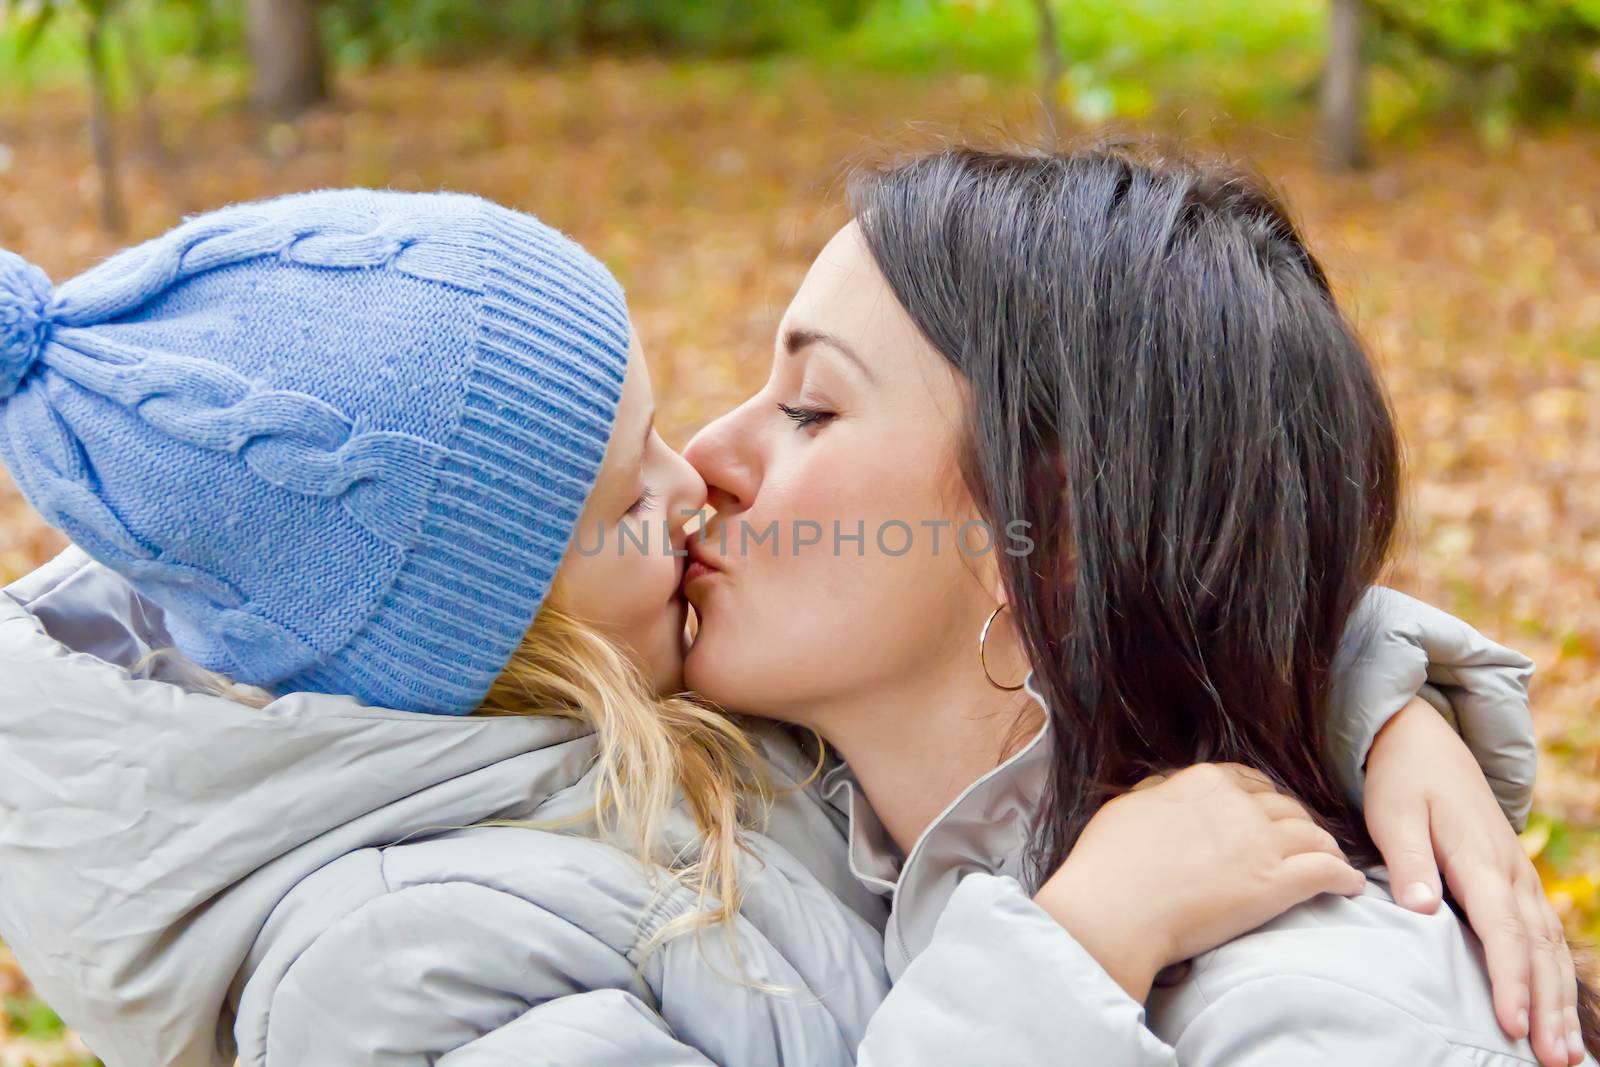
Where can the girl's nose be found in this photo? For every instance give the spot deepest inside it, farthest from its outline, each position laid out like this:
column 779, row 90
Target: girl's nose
column 687, row 492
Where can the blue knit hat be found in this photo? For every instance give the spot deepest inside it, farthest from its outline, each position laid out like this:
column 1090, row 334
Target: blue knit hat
column 342, row 437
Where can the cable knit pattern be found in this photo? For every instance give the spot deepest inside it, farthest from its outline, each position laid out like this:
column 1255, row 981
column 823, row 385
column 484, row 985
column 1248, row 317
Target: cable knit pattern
column 343, row 437
column 293, row 441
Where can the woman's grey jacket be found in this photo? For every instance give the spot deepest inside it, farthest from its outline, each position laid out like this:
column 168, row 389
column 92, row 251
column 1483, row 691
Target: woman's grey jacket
column 186, row 879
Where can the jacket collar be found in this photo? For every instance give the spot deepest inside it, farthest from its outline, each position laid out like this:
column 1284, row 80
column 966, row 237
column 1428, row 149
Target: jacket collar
column 987, row 828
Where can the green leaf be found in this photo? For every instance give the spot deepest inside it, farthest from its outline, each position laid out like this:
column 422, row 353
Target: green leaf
column 32, row 1018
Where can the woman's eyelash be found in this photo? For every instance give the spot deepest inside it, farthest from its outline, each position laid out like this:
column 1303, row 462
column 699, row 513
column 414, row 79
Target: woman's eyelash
column 646, row 501
column 805, row 416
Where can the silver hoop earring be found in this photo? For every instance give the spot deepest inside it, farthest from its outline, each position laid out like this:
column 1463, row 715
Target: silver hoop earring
column 983, row 660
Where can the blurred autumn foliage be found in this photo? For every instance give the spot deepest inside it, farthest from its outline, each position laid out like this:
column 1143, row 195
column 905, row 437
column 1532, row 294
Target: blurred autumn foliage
column 1472, row 266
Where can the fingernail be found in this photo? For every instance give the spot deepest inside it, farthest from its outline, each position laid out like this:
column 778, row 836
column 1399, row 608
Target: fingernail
column 1522, row 1020
column 1561, row 1047
column 1417, row 895
column 1574, row 1041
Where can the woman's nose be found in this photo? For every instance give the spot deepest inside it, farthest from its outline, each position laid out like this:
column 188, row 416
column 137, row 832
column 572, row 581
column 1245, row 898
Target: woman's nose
column 723, row 453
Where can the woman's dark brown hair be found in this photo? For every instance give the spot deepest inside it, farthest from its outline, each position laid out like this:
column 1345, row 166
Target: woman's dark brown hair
column 1162, row 386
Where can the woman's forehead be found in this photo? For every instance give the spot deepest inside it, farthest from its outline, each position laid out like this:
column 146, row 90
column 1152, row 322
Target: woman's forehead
column 844, row 293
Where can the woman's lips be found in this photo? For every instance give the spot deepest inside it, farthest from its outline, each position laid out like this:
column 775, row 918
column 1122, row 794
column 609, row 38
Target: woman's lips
column 699, row 566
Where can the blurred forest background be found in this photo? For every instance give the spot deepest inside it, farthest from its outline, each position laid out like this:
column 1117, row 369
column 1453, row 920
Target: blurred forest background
column 1443, row 154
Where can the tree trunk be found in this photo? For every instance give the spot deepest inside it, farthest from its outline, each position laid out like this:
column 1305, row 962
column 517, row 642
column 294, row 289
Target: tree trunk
column 1344, row 98
column 100, row 138
column 1052, row 68
column 208, row 34
column 154, row 144
column 286, row 52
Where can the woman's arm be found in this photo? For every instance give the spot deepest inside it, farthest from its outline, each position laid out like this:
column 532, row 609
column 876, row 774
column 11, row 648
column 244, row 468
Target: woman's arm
column 1169, row 871
column 1176, row 867
column 1309, row 1022
column 1003, row 983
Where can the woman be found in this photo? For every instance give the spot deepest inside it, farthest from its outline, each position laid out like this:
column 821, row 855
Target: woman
column 1141, row 364
column 339, row 445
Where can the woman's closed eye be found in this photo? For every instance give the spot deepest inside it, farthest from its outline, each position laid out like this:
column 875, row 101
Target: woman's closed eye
column 806, row 416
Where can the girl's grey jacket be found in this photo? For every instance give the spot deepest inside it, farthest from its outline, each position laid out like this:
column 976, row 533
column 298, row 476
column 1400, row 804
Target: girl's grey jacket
column 312, row 885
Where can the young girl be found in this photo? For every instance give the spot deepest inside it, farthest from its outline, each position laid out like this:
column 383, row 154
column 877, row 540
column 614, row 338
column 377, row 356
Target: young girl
column 336, row 467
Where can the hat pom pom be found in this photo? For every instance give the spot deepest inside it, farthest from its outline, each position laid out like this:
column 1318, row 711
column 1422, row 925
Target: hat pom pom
column 25, row 296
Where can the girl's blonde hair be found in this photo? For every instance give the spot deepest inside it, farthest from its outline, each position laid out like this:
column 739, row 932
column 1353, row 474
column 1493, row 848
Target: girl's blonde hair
column 652, row 750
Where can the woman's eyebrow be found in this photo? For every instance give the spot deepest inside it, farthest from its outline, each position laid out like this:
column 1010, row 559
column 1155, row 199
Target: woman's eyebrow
column 797, row 338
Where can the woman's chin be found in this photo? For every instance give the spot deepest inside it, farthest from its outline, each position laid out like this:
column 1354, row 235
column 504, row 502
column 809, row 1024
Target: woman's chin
column 715, row 658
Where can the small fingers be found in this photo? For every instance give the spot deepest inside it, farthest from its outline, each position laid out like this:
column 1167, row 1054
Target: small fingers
column 1405, row 834
column 1549, row 1037
column 1569, row 988
column 1564, row 1022
column 1486, row 896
